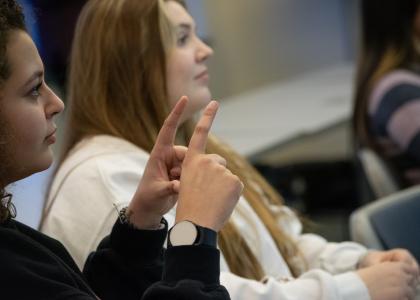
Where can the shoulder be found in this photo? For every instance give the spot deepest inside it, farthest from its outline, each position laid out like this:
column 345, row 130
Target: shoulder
column 396, row 94
column 103, row 145
column 20, row 242
column 100, row 168
column 101, row 158
column 393, row 88
column 39, row 263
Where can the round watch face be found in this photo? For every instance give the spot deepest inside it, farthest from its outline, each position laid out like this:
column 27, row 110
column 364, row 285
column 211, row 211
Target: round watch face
column 183, row 233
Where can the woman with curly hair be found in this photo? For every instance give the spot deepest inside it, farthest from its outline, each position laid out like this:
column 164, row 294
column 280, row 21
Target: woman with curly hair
column 130, row 263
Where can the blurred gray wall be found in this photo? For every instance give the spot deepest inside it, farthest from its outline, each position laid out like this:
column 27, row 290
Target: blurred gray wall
column 257, row 42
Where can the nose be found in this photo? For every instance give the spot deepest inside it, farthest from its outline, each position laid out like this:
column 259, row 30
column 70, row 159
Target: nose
column 204, row 51
column 54, row 105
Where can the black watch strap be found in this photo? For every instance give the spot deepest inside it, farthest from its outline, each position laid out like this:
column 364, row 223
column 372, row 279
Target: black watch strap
column 206, row 237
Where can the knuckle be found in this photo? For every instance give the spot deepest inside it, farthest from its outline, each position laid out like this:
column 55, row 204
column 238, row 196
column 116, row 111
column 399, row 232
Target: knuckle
column 201, row 130
column 203, row 162
column 206, row 160
column 219, row 157
column 220, row 168
column 168, row 124
column 228, row 172
column 235, row 179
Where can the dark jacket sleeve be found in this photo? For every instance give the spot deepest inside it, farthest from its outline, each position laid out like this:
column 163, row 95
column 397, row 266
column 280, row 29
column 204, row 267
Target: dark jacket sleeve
column 190, row 272
column 130, row 264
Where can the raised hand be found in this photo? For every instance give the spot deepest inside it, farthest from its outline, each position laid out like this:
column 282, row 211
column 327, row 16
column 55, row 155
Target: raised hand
column 158, row 189
column 208, row 190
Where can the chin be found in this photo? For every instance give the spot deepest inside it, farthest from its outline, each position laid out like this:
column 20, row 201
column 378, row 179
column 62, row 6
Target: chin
column 43, row 163
column 197, row 102
column 24, row 165
column 201, row 99
column 46, row 162
column 206, row 95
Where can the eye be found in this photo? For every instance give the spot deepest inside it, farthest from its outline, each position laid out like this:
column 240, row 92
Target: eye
column 182, row 38
column 35, row 91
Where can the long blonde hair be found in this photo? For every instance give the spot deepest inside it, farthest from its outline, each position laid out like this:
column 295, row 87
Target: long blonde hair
column 118, row 87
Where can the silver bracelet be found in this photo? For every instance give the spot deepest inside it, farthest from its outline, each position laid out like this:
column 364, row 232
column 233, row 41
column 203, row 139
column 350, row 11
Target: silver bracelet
column 124, row 218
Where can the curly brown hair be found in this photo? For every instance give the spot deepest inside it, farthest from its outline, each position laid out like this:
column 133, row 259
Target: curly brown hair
column 11, row 18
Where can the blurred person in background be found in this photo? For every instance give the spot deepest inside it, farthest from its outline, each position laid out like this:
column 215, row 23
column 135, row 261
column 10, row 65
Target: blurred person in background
column 386, row 116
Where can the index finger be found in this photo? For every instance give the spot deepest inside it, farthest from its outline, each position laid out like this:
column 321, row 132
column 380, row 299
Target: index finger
column 199, row 138
column 167, row 133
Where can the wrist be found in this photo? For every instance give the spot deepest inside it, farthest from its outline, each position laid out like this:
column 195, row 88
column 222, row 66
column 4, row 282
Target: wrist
column 196, row 263
column 187, row 233
column 362, row 261
column 141, row 220
column 196, row 220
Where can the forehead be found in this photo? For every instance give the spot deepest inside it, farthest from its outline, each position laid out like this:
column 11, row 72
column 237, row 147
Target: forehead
column 22, row 56
column 177, row 13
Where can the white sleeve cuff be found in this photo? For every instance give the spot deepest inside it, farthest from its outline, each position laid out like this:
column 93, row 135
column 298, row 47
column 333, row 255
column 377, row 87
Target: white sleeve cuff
column 351, row 287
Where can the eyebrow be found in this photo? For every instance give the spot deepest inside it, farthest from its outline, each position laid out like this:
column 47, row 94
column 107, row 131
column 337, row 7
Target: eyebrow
column 34, row 76
column 185, row 26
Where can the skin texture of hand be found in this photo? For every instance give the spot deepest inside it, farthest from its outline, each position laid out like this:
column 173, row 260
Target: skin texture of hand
column 158, row 189
column 390, row 281
column 394, row 255
column 374, row 258
column 208, row 190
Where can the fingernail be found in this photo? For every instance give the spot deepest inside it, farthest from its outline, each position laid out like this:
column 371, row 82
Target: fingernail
column 213, row 104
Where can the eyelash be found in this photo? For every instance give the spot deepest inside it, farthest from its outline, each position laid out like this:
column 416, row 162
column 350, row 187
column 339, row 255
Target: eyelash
column 35, row 90
column 182, row 39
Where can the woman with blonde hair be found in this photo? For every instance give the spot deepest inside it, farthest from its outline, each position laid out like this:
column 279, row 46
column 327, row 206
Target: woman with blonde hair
column 130, row 61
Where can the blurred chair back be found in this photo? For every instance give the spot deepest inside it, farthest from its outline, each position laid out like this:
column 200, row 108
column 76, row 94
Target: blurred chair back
column 379, row 178
column 390, row 222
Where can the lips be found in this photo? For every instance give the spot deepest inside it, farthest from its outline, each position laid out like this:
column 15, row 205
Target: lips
column 51, row 134
column 202, row 74
column 50, row 138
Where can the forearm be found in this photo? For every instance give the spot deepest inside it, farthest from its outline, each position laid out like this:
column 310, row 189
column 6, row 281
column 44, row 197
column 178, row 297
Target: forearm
column 334, row 258
column 313, row 285
column 126, row 263
column 190, row 272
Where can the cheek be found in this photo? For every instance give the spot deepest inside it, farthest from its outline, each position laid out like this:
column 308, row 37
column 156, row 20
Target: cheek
column 180, row 74
column 30, row 152
column 28, row 127
column 5, row 144
column 178, row 79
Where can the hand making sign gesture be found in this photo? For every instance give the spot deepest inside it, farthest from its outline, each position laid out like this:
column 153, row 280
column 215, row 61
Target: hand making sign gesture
column 205, row 189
